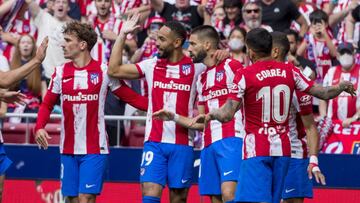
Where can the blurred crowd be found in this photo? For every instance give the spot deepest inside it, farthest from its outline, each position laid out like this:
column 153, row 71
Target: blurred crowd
column 323, row 34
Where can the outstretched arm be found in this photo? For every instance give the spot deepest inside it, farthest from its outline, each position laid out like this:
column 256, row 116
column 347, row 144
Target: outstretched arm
column 181, row 120
column 5, row 7
column 330, row 92
column 116, row 68
column 10, row 77
column 34, row 8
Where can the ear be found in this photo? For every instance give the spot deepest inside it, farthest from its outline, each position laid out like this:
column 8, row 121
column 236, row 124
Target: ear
column 275, row 52
column 177, row 43
column 83, row 45
column 207, row 45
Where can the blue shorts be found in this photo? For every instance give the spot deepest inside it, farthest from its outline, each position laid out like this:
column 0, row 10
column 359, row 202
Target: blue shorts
column 297, row 183
column 82, row 174
column 219, row 162
column 261, row 179
column 167, row 163
column 5, row 162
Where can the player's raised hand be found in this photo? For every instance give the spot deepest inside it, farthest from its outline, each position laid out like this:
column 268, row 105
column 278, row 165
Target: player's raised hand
column 41, row 138
column 41, row 51
column 131, row 24
column 164, row 115
column 314, row 170
column 348, row 87
column 13, row 97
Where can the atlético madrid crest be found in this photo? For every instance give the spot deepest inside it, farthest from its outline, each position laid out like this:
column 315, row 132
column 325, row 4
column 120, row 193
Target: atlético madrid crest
column 94, row 78
column 186, row 69
column 219, row 75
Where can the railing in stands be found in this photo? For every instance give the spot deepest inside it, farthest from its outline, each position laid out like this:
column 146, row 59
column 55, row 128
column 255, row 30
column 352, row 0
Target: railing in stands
column 28, row 116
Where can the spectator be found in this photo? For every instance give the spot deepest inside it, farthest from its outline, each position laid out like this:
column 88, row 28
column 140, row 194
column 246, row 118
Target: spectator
column 34, row 85
column 326, row 5
column 190, row 16
column 232, row 16
column 319, row 44
column 351, row 22
column 107, row 27
column 279, row 14
column 217, row 18
column 236, row 45
column 252, row 14
column 51, row 26
column 297, row 60
column 345, row 107
column 342, row 9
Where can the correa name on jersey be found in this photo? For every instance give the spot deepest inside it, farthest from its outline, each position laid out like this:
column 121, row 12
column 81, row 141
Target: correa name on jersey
column 271, row 73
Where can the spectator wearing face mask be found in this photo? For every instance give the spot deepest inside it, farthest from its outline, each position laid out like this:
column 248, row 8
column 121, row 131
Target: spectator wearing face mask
column 236, row 43
column 344, row 107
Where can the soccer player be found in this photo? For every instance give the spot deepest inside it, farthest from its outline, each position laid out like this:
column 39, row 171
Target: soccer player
column 298, row 185
column 222, row 143
column 81, row 84
column 171, row 78
column 266, row 88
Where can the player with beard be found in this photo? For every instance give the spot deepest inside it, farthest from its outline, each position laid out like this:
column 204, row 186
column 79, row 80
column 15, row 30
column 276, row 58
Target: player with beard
column 266, row 88
column 171, row 78
column 221, row 152
column 303, row 136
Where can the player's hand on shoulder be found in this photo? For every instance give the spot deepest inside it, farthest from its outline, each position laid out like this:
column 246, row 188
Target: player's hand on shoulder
column 41, row 137
column 220, row 55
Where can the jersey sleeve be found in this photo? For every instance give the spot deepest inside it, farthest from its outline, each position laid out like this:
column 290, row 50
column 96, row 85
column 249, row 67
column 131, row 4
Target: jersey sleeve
column 128, row 95
column 305, row 103
column 237, row 90
column 302, row 83
column 145, row 66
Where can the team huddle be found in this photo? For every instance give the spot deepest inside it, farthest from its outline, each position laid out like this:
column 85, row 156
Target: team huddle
column 260, row 143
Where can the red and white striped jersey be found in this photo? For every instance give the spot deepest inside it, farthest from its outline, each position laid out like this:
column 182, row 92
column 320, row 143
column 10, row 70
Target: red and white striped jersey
column 127, row 5
column 82, row 93
column 318, row 52
column 344, row 105
column 102, row 49
column 301, row 106
column 305, row 9
column 342, row 5
column 171, row 86
column 266, row 88
column 213, row 87
column 318, row 3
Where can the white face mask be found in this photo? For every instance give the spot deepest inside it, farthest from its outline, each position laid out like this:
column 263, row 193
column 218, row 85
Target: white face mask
column 346, row 60
column 235, row 44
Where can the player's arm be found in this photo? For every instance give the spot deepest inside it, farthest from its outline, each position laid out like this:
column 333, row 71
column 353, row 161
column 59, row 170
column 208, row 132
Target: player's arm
column 303, row 25
column 347, row 122
column 10, row 77
column 46, row 107
column 331, row 92
column 128, row 95
column 313, row 143
column 186, row 122
column 116, row 68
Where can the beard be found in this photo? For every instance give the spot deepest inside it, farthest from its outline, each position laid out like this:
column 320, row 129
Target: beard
column 165, row 53
column 199, row 58
column 253, row 24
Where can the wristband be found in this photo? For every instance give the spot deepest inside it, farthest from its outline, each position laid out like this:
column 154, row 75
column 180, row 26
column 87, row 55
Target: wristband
column 176, row 117
column 314, row 160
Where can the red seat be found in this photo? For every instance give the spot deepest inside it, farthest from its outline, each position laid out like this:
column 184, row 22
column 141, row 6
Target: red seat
column 16, row 133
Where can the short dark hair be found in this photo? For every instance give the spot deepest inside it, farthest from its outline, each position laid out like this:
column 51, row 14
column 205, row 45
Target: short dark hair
column 178, row 29
column 280, row 39
column 83, row 32
column 260, row 41
column 292, row 32
column 207, row 31
column 317, row 16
